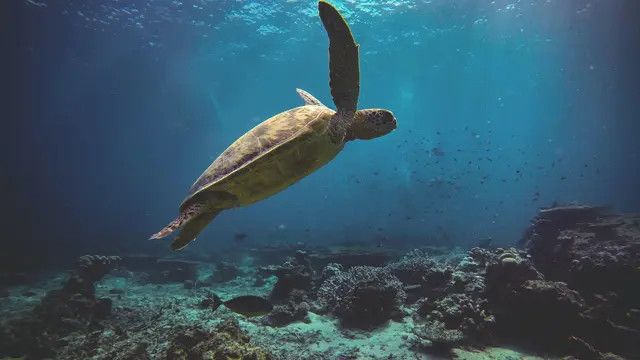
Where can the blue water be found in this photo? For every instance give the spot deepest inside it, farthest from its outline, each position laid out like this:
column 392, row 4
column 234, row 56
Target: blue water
column 113, row 109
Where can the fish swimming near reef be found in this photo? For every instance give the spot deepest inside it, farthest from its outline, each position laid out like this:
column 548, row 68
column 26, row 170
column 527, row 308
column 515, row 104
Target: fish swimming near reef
column 247, row 305
column 288, row 146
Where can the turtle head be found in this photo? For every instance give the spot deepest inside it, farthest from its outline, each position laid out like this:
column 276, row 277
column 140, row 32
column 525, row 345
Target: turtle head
column 371, row 123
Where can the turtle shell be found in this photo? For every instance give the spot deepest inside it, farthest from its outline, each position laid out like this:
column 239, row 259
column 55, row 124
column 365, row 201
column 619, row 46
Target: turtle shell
column 270, row 143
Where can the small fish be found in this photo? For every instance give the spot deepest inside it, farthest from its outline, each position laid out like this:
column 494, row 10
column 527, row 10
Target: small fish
column 436, row 151
column 247, row 305
column 239, row 237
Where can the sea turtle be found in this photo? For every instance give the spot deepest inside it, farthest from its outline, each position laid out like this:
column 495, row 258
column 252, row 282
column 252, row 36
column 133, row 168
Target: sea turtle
column 288, row 146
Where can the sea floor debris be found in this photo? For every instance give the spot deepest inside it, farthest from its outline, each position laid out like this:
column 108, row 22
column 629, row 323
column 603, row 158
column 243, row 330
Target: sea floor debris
column 569, row 291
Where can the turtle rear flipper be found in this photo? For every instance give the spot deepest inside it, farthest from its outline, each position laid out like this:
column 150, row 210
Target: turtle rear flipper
column 185, row 215
column 192, row 228
column 192, row 220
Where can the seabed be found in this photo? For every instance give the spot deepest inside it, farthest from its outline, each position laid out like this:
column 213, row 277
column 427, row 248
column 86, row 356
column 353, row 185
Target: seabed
column 539, row 301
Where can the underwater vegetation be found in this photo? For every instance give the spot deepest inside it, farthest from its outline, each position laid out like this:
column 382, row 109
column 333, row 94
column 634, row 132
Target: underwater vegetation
column 569, row 291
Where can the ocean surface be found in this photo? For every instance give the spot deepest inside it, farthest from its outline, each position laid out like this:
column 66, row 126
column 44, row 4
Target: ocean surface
column 112, row 109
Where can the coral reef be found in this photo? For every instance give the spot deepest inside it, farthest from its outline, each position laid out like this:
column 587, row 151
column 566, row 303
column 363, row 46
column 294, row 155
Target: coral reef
column 291, row 292
column 539, row 303
column 571, row 291
column 412, row 269
column 295, row 273
column 595, row 255
column 75, row 305
column 226, row 342
column 506, row 272
column 332, row 269
column 434, row 336
column 467, row 315
column 61, row 311
column 592, row 251
column 362, row 297
column 295, row 309
column 451, row 307
column 422, row 275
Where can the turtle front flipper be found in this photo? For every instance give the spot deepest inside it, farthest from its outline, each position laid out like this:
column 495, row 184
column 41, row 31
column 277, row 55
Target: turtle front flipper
column 344, row 68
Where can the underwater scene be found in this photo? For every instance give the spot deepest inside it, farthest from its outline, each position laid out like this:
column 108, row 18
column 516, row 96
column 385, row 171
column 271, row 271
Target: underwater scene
column 303, row 179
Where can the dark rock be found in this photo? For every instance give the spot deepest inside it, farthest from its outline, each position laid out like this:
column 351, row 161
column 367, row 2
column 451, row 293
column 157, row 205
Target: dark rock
column 538, row 304
column 542, row 302
column 592, row 251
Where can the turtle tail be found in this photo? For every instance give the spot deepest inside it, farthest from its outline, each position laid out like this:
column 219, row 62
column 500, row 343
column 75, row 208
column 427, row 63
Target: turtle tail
column 191, row 220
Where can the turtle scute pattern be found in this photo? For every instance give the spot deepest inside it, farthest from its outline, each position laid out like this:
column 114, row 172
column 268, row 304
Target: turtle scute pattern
column 264, row 137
